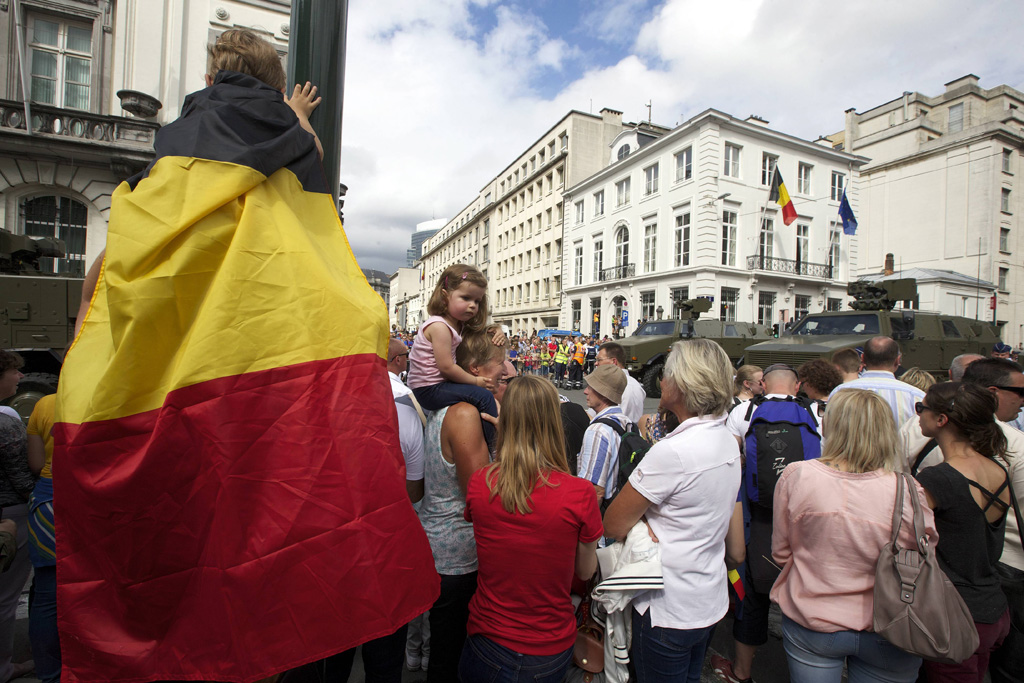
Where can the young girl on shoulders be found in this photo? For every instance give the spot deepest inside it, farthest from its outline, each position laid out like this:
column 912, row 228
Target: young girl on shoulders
column 458, row 307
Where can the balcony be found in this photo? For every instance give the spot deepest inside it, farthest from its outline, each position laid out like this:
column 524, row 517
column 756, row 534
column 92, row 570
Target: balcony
column 789, row 267
column 618, row 272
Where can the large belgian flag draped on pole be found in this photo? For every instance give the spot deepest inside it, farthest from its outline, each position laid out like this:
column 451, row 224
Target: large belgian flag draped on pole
column 229, row 486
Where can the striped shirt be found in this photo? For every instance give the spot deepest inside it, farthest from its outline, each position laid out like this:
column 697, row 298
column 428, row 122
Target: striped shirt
column 599, row 455
column 899, row 395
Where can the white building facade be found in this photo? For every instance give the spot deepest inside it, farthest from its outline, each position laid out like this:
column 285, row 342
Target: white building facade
column 940, row 192
column 688, row 216
column 406, row 309
column 95, row 72
column 512, row 230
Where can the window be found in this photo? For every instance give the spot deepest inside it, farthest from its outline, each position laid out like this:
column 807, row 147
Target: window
column 1004, row 239
column 563, row 142
column 65, row 219
column 650, row 180
column 548, row 214
column 765, row 308
column 560, row 174
column 533, row 164
column 803, row 178
column 801, row 306
column 802, row 248
column 679, row 295
column 598, row 259
column 838, row 184
column 527, row 291
column 599, row 203
column 61, row 62
column 1004, row 201
column 956, row 118
column 577, row 313
column 622, row 192
column 579, row 211
column 515, row 178
column 833, row 304
column 622, row 247
column 731, row 168
column 1004, row 274
column 1007, row 156
column 768, row 163
column 833, row 251
column 487, row 227
column 650, row 247
column 728, row 238
column 647, row 305
column 529, row 258
column 558, row 249
column 684, row 164
column 949, row 329
column 766, row 241
column 682, row 252
column 730, row 299
column 622, row 153
column 485, row 254
column 551, row 182
column 578, row 264
column 540, row 155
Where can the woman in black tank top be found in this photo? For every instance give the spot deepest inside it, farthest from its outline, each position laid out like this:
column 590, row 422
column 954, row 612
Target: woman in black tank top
column 970, row 496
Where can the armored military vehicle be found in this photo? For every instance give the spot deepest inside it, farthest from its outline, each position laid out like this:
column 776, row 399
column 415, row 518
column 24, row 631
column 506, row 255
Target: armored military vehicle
column 928, row 340
column 648, row 347
column 37, row 314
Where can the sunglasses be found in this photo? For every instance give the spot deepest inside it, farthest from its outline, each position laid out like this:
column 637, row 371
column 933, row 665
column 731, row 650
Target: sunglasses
column 506, row 380
column 920, row 408
column 1017, row 390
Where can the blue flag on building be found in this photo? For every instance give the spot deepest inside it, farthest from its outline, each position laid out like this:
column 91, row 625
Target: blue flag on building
column 846, row 213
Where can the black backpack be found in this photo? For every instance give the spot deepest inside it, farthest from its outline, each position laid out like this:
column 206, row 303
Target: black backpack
column 632, row 449
column 781, row 431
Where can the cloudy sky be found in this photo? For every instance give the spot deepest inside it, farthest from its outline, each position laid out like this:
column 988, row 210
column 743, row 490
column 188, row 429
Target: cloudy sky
column 442, row 94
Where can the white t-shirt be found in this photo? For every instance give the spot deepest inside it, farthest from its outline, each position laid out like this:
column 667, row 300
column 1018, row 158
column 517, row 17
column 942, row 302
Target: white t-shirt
column 691, row 477
column 737, row 424
column 410, row 430
column 633, row 399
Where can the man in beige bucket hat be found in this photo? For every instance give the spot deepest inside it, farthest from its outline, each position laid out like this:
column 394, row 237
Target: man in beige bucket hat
column 598, row 459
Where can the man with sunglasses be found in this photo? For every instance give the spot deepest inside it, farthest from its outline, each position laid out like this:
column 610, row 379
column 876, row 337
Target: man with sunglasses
column 1005, row 379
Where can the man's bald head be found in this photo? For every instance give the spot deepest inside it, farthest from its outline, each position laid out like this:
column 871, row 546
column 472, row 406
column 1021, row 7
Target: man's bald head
column 958, row 367
column 398, row 356
column 881, row 353
column 780, row 379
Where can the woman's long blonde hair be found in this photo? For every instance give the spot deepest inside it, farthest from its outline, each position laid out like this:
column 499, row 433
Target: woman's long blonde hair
column 531, row 443
column 861, row 431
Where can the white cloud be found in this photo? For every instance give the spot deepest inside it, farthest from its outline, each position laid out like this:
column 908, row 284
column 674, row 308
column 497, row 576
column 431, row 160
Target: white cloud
column 434, row 108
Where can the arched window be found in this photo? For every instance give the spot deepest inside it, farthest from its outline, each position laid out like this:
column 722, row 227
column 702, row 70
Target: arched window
column 622, row 247
column 623, row 152
column 63, row 218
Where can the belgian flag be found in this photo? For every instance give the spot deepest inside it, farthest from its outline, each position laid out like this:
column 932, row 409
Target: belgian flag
column 780, row 195
column 229, row 487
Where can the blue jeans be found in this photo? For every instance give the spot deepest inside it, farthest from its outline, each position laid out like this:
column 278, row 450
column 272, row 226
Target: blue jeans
column 42, row 624
column 485, row 661
column 445, row 394
column 663, row 655
column 816, row 657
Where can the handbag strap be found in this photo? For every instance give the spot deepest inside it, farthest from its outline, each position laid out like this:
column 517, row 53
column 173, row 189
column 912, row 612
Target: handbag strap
column 897, row 513
column 1013, row 503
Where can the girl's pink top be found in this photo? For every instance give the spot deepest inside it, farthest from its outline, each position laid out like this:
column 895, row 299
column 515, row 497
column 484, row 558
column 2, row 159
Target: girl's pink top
column 423, row 370
column 829, row 530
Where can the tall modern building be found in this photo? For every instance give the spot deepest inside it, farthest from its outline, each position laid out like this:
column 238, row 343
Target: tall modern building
column 424, row 231
column 940, row 192
column 688, row 215
column 86, row 86
column 512, row 229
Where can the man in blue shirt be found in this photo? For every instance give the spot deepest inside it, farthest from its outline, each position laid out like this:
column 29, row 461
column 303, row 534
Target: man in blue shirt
column 881, row 359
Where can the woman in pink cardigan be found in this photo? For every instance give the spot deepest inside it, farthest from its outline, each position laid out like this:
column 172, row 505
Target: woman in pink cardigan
column 832, row 518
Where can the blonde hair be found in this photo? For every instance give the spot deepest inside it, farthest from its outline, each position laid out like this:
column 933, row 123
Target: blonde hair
column 531, row 443
column 478, row 349
column 861, row 431
column 744, row 373
column 241, row 50
column 916, row 377
column 701, row 370
column 450, row 280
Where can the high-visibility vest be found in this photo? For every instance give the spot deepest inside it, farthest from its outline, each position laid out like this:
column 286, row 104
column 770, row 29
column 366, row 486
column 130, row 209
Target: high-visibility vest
column 580, row 355
column 562, row 354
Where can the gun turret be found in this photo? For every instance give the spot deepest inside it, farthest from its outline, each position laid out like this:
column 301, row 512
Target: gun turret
column 692, row 308
column 881, row 295
column 20, row 254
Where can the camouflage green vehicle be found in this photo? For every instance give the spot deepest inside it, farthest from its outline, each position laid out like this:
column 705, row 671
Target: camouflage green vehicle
column 648, row 347
column 928, row 340
column 37, row 314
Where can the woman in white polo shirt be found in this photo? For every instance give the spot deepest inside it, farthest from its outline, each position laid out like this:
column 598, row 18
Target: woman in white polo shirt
column 686, row 490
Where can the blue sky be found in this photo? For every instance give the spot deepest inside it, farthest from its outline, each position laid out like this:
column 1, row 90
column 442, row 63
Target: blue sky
column 442, row 94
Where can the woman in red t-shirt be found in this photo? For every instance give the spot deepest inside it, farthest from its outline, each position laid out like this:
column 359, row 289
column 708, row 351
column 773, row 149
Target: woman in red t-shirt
column 535, row 525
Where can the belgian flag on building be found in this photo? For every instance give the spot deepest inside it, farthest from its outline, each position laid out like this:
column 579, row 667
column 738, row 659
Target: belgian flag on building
column 780, row 195
column 229, row 487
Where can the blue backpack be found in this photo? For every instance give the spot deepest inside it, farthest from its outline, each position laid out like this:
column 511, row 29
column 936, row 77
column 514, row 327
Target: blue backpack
column 781, row 431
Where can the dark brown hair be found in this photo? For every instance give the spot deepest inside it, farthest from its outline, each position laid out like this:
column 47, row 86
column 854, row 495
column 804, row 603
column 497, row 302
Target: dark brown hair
column 450, row 280
column 614, row 352
column 820, row 375
column 241, row 50
column 971, row 410
column 9, row 360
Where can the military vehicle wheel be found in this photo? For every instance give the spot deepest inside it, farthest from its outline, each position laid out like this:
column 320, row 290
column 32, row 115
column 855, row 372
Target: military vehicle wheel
column 652, row 380
column 32, row 387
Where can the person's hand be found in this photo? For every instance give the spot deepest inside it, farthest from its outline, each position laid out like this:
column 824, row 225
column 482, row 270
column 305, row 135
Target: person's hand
column 499, row 338
column 8, row 543
column 487, row 383
column 303, row 100
column 650, row 531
